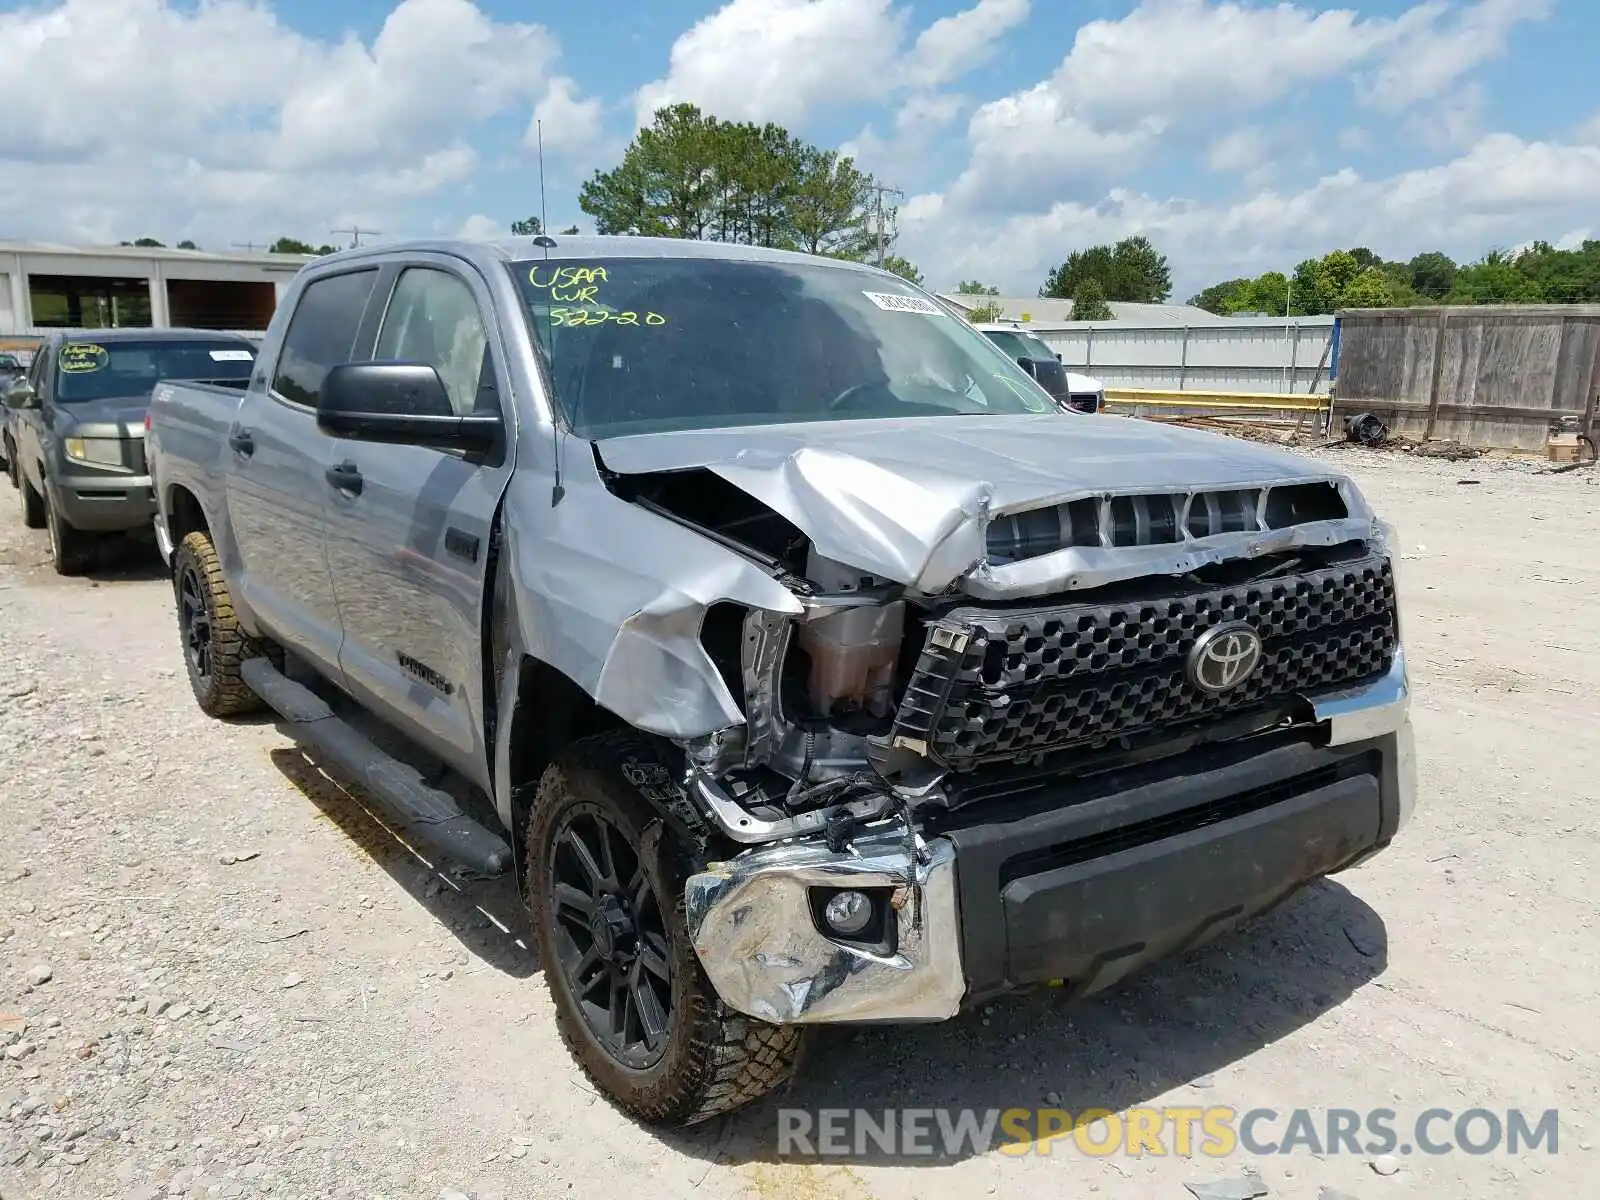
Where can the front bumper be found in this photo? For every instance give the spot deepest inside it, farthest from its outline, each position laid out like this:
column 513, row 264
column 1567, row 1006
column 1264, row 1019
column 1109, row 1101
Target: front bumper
column 103, row 503
column 1080, row 884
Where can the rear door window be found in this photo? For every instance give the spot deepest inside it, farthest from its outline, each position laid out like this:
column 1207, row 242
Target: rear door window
column 322, row 333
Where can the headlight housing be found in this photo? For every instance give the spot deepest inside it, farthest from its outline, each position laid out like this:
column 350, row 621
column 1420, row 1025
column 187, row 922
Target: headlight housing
column 94, row 451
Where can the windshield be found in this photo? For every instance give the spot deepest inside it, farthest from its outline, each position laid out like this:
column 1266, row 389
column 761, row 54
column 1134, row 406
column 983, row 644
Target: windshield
column 100, row 370
column 651, row 344
column 1021, row 345
column 8, row 362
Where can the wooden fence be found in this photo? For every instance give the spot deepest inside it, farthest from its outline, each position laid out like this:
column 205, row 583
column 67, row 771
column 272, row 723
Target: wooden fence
column 1489, row 376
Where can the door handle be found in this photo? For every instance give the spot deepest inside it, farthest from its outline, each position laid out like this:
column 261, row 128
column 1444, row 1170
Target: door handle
column 345, row 476
column 243, row 442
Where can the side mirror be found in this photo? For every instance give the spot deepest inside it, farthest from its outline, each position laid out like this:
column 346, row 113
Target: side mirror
column 401, row 403
column 1026, row 364
column 1058, row 357
column 21, row 395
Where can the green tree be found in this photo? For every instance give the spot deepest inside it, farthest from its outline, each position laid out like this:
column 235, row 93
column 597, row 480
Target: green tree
column 1131, row 270
column 289, row 245
column 902, row 267
column 828, row 206
column 186, row 244
column 1089, row 304
column 570, row 231
column 1369, row 289
column 326, row 249
column 971, row 287
column 1432, row 274
column 691, row 175
column 985, row 314
column 1221, row 298
column 145, row 241
column 1268, row 293
column 527, row 227
column 1494, row 279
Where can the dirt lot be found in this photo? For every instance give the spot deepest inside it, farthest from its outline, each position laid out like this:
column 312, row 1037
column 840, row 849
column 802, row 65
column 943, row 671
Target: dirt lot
column 253, row 990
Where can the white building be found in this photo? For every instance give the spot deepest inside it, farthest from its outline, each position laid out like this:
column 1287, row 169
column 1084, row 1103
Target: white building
column 44, row 287
column 1039, row 310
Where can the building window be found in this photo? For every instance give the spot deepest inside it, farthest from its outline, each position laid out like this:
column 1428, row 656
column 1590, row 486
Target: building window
column 89, row 302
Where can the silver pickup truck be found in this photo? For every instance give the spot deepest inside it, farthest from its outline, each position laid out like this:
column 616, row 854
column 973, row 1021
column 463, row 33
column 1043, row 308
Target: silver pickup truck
column 804, row 659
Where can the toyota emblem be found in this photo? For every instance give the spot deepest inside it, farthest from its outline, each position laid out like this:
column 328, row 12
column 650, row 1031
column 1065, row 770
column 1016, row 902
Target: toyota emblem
column 1224, row 657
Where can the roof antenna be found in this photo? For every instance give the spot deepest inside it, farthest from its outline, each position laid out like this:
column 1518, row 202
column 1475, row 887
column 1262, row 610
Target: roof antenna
column 557, row 489
column 544, row 239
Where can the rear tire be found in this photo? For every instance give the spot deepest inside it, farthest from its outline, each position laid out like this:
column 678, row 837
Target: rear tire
column 72, row 551
column 32, row 503
column 214, row 647
column 701, row 1059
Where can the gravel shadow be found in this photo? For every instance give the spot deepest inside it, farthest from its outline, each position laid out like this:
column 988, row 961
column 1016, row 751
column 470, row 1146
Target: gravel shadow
column 486, row 916
column 1178, row 1026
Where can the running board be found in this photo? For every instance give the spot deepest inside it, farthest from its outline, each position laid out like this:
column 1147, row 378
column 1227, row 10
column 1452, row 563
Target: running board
column 421, row 814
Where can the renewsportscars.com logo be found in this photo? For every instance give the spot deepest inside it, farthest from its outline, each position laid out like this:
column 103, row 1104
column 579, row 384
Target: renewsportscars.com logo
column 1214, row 1132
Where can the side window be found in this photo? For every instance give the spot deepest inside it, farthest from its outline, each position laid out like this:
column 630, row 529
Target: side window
column 321, row 334
column 433, row 319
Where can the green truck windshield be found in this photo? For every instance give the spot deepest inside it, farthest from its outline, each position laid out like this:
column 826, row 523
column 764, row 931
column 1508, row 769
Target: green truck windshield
column 653, row 344
column 89, row 370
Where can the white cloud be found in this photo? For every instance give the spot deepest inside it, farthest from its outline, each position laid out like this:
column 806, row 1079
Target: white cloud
column 1503, row 190
column 776, row 60
column 435, row 66
column 954, row 45
column 782, row 60
column 572, row 123
column 217, row 121
column 1165, row 67
column 1440, row 50
column 1242, row 150
column 480, row 227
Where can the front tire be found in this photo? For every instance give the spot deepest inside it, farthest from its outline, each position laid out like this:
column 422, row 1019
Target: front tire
column 72, row 551
column 604, row 880
column 214, row 647
column 32, row 503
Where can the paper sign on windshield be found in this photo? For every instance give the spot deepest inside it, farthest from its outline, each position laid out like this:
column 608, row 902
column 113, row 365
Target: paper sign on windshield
column 232, row 356
column 910, row 304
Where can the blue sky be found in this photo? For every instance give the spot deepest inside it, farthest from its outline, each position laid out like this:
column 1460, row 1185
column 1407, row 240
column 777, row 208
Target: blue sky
column 1239, row 135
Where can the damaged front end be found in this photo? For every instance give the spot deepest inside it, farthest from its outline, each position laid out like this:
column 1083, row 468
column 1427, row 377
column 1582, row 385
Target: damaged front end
column 959, row 643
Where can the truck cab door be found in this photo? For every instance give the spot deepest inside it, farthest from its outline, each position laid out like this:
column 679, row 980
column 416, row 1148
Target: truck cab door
column 277, row 464
column 409, row 532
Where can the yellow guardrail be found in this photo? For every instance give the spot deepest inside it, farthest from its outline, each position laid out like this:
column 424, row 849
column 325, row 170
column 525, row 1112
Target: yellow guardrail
column 1249, row 401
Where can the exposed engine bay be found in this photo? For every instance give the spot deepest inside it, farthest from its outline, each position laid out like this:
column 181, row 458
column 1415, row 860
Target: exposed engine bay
column 880, row 695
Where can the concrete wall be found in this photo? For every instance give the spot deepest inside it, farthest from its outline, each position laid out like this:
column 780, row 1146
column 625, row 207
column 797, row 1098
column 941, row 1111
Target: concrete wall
column 1491, row 376
column 1244, row 355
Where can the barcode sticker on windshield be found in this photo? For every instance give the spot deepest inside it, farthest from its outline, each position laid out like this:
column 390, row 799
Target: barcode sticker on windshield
column 911, row 304
column 232, row 356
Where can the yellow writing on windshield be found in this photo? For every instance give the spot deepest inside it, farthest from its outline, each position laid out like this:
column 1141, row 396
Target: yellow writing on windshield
column 77, row 357
column 568, row 285
column 573, row 317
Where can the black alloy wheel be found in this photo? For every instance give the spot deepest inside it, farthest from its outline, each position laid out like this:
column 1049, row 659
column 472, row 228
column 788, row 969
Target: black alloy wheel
column 610, row 937
column 194, row 620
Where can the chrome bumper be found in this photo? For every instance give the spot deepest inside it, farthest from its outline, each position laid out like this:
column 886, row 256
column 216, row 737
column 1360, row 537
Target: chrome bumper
column 751, row 923
column 1376, row 710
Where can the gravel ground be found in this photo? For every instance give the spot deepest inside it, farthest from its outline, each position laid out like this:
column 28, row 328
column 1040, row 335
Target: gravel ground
column 220, row 977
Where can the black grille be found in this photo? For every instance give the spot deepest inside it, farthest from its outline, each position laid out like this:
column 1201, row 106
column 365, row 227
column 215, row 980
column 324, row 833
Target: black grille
column 1160, row 518
column 1007, row 686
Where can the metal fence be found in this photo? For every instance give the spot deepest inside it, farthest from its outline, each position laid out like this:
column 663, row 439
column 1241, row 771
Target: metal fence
column 1247, row 354
column 1491, row 376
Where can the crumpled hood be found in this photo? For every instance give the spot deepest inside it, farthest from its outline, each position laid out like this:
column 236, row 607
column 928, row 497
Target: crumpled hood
column 907, row 499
